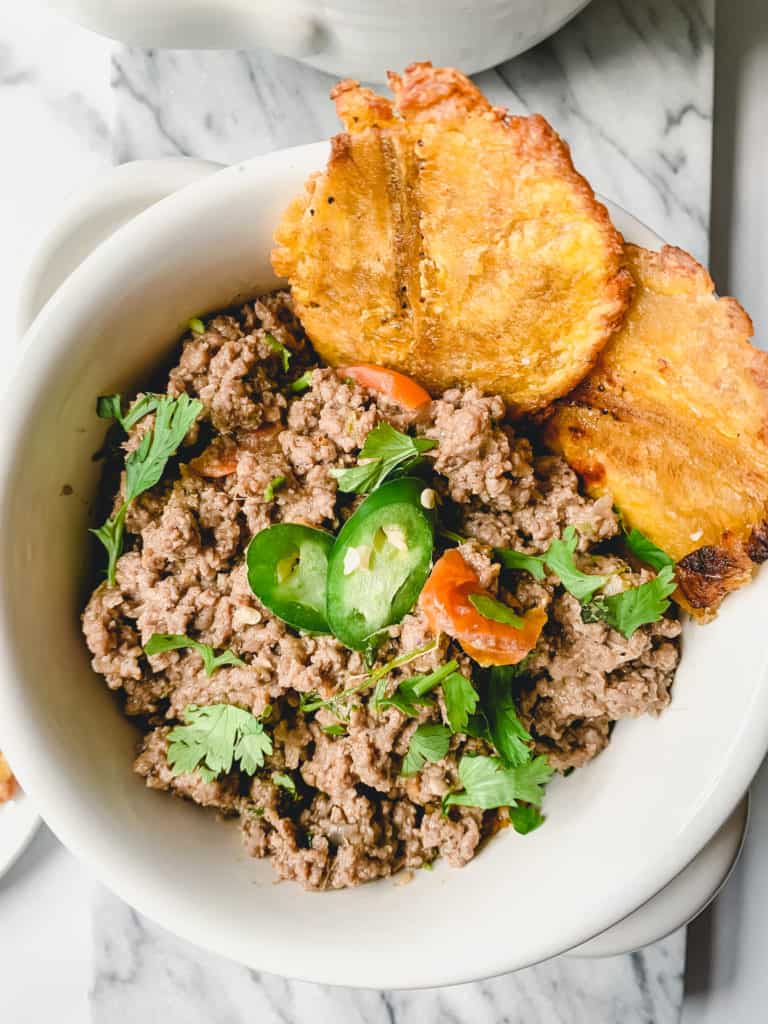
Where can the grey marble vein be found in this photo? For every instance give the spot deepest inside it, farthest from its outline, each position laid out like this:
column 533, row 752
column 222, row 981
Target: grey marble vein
column 142, row 972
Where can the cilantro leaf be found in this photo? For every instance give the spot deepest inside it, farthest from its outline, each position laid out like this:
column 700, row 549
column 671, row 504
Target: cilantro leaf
column 196, row 325
column 646, row 550
column 507, row 733
column 559, row 560
column 411, row 693
column 272, row 486
column 336, row 729
column 285, row 782
column 637, row 606
column 111, row 536
column 146, row 464
column 525, row 818
column 213, row 738
column 430, row 742
column 284, row 352
column 302, row 383
column 160, row 642
column 533, row 564
column 489, row 784
column 460, row 700
column 384, row 451
column 495, row 610
column 109, row 407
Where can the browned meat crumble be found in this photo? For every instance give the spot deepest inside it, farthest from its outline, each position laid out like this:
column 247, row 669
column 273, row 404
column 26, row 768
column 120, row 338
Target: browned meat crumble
column 355, row 818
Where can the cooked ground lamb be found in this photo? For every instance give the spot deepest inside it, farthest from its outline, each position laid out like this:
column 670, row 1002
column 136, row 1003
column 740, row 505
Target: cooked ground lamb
column 353, row 817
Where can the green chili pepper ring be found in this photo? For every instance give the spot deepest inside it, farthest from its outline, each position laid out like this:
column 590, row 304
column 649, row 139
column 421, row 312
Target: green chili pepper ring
column 380, row 562
column 287, row 569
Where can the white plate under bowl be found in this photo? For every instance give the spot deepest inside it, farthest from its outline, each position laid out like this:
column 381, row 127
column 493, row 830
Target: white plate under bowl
column 617, row 831
column 18, row 823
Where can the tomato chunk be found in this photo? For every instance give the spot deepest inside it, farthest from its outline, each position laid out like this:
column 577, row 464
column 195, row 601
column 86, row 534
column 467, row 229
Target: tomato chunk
column 446, row 605
column 394, row 385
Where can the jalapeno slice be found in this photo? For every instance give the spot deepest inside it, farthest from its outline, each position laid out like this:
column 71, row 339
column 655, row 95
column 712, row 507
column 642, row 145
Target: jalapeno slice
column 287, row 570
column 380, row 561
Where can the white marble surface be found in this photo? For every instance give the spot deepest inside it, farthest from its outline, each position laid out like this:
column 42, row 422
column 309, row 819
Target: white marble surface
column 629, row 83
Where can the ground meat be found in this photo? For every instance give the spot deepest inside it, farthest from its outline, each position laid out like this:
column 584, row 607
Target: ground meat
column 261, row 454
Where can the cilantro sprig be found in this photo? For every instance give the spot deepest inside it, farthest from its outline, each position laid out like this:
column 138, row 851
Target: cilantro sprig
column 158, row 643
column 490, row 608
column 525, row 818
column 384, row 451
column 213, row 738
column 644, row 549
column 488, row 783
column 506, row 732
column 110, row 407
column 461, row 699
column 625, row 612
column 636, row 607
column 145, row 465
column 429, row 742
column 410, row 694
column 311, row 702
column 559, row 559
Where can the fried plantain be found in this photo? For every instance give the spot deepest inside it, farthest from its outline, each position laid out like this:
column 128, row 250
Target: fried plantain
column 673, row 423
column 455, row 242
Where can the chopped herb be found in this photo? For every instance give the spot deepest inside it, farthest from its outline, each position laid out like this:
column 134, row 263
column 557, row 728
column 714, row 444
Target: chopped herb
column 337, row 729
column 558, row 558
column 255, row 812
column 301, row 383
column 272, row 486
column 646, row 550
column 196, row 325
column 525, row 818
column 430, row 742
column 145, row 465
column 533, row 564
column 384, row 451
column 160, row 642
column 427, row 866
column 411, row 693
column 284, row 352
column 311, row 702
column 109, row 407
column 489, row 784
column 512, row 740
column 495, row 610
column 285, row 782
column 635, row 607
column 460, row 700
column 213, row 738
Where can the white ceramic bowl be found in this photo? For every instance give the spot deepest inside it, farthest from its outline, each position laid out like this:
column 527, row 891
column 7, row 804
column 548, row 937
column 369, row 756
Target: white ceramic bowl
column 357, row 38
column 617, row 831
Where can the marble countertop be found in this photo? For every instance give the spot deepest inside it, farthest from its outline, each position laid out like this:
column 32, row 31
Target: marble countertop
column 76, row 103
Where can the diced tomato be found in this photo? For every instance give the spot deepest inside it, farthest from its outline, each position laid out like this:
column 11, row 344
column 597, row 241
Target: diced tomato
column 394, row 385
column 445, row 602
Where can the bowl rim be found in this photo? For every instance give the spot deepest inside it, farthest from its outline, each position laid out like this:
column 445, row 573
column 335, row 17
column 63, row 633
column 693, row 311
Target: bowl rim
column 42, row 344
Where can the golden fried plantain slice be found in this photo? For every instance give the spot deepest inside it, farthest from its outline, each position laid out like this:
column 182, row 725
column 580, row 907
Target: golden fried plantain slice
column 455, row 242
column 673, row 422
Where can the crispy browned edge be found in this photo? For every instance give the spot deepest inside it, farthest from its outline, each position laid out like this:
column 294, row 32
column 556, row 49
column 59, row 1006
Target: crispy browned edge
column 707, row 574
